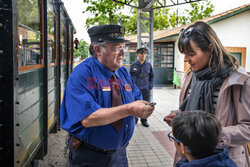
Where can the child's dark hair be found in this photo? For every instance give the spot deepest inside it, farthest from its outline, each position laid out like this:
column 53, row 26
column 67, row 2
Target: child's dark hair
column 198, row 130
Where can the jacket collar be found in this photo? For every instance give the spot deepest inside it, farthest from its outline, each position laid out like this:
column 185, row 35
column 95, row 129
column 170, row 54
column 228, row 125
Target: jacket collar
column 237, row 77
column 106, row 72
column 213, row 160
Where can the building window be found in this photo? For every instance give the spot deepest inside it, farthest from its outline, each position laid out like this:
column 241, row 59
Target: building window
column 130, row 55
column 164, row 55
column 239, row 53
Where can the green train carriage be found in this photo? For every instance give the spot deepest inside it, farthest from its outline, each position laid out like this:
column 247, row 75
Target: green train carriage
column 36, row 58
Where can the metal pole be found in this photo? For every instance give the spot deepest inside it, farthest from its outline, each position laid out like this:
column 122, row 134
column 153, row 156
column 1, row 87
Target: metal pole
column 151, row 39
column 45, row 82
column 58, row 77
column 139, row 28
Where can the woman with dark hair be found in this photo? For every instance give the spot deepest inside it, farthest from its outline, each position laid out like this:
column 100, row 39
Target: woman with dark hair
column 216, row 84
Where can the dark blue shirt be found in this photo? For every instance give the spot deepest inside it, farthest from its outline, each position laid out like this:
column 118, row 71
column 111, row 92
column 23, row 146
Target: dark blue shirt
column 142, row 74
column 220, row 159
column 87, row 90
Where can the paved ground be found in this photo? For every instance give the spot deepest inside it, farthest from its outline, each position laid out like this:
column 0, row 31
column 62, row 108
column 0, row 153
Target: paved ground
column 149, row 147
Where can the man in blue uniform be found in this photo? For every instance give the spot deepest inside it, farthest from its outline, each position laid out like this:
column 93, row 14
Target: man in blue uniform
column 143, row 75
column 100, row 102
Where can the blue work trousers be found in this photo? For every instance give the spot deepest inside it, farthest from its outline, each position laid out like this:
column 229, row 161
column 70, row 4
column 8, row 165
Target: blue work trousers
column 84, row 157
column 145, row 94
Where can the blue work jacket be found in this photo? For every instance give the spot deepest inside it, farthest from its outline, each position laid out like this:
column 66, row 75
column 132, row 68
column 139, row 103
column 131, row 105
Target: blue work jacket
column 142, row 74
column 220, row 159
column 88, row 90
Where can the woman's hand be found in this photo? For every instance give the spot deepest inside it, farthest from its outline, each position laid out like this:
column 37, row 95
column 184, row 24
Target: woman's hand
column 169, row 118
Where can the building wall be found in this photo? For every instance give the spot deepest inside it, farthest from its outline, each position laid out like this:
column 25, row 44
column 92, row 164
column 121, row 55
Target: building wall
column 179, row 63
column 179, row 58
column 235, row 32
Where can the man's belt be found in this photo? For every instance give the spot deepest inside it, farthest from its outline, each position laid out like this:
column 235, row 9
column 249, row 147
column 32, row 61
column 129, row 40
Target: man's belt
column 76, row 143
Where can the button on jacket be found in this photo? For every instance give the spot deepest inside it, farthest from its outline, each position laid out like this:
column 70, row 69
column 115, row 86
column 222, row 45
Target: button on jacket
column 87, row 90
column 142, row 74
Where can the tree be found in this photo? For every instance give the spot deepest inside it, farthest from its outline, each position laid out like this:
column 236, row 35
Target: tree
column 197, row 11
column 28, row 14
column 160, row 20
column 104, row 12
column 109, row 12
column 200, row 11
column 83, row 50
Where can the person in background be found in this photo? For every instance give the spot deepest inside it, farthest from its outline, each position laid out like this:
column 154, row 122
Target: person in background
column 143, row 75
column 218, row 85
column 196, row 135
column 100, row 102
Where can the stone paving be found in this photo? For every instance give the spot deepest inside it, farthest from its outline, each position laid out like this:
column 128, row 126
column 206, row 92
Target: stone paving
column 149, row 147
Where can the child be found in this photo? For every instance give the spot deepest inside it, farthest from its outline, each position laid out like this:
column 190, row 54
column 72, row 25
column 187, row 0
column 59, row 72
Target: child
column 196, row 135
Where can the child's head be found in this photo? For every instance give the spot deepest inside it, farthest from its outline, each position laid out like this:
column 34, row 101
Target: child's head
column 198, row 132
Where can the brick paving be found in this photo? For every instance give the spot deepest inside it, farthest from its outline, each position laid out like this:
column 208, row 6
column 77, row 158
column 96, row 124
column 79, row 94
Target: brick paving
column 149, row 147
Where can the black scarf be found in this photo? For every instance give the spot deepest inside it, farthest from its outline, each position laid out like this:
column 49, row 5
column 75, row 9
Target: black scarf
column 205, row 82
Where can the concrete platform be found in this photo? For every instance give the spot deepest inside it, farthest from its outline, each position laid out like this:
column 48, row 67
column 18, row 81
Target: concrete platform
column 150, row 147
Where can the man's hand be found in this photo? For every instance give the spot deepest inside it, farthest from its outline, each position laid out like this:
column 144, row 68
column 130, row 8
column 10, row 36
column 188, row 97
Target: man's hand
column 105, row 116
column 140, row 109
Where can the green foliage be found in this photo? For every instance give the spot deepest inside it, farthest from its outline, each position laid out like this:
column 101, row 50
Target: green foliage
column 161, row 19
column 130, row 23
column 83, row 50
column 200, row 11
column 28, row 14
column 109, row 12
column 104, row 12
column 197, row 11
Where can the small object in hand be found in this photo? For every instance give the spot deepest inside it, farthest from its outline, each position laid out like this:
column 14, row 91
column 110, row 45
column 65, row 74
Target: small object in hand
column 151, row 104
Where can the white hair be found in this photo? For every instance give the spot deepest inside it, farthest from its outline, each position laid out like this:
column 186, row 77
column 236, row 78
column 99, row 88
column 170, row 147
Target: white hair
column 99, row 44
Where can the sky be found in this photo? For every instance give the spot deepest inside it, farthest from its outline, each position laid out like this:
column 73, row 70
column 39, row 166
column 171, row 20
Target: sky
column 76, row 7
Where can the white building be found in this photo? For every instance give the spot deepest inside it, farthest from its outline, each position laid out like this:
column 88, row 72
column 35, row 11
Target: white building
column 232, row 28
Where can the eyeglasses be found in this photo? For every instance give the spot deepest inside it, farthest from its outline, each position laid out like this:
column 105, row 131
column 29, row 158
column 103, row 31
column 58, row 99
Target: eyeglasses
column 188, row 32
column 171, row 138
column 118, row 50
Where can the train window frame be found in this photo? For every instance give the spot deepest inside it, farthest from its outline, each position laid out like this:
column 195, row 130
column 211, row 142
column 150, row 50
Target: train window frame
column 70, row 46
column 64, row 56
column 41, row 29
column 65, row 44
column 63, row 28
column 55, row 34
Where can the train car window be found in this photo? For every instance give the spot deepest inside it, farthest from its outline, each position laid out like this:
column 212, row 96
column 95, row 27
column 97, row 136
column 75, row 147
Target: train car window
column 29, row 33
column 51, row 29
column 70, row 46
column 63, row 38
